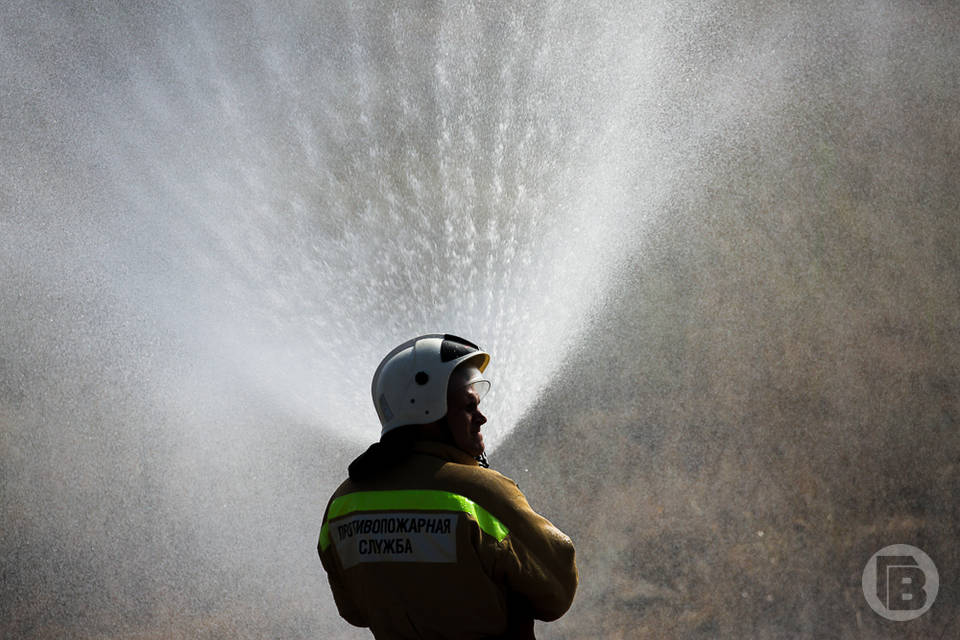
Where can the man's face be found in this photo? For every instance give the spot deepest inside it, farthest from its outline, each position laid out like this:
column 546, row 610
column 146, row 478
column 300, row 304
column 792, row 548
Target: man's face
column 464, row 419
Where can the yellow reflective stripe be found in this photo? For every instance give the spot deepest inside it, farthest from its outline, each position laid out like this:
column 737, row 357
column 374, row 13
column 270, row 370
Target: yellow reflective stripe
column 411, row 500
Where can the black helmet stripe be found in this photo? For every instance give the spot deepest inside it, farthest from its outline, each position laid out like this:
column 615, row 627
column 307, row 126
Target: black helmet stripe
column 454, row 347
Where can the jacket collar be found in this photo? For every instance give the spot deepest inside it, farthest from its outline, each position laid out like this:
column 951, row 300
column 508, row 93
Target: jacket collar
column 444, row 452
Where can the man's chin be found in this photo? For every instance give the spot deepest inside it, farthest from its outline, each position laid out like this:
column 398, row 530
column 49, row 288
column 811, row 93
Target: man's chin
column 476, row 447
column 470, row 443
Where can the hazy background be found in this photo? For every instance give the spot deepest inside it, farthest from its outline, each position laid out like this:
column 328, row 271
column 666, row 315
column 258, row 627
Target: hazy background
column 712, row 247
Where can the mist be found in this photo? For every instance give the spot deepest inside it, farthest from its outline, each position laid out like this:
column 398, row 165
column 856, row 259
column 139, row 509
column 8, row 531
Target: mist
column 712, row 249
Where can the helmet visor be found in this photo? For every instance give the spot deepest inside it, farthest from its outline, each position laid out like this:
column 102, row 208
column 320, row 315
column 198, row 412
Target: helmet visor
column 468, row 375
column 481, row 387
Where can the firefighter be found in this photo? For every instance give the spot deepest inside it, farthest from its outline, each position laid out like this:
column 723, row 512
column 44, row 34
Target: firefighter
column 423, row 540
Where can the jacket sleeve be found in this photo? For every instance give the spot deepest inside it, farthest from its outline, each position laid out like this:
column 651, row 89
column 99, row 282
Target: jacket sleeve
column 345, row 605
column 536, row 559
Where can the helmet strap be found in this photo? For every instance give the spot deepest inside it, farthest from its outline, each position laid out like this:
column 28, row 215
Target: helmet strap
column 482, row 459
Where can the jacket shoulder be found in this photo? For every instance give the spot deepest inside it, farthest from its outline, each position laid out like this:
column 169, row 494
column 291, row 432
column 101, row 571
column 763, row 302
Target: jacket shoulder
column 490, row 489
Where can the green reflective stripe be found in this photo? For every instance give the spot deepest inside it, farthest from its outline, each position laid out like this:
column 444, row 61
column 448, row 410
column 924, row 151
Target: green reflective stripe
column 324, row 537
column 411, row 500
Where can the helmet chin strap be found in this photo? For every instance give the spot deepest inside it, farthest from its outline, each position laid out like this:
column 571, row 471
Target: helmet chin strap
column 482, row 459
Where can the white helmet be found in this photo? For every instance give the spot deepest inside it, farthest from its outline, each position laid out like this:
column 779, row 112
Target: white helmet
column 410, row 385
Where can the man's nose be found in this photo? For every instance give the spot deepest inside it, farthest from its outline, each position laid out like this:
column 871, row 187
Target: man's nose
column 480, row 417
